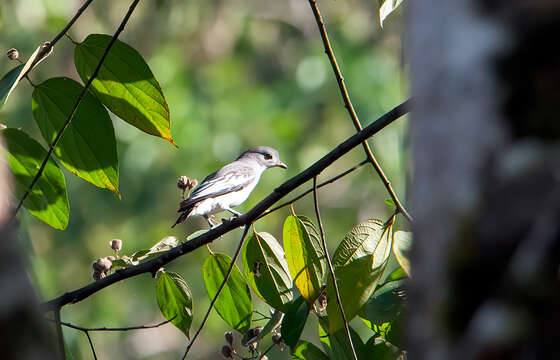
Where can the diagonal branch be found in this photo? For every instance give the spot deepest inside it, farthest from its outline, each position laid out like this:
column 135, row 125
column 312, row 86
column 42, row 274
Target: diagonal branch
column 331, row 269
column 348, row 105
column 78, row 101
column 48, row 46
column 226, row 278
column 252, row 215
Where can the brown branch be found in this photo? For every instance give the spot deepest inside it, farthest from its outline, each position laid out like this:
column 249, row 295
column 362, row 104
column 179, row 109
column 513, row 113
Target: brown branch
column 47, row 48
column 331, row 269
column 327, row 182
column 284, row 189
column 139, row 327
column 78, row 101
column 226, row 278
column 348, row 105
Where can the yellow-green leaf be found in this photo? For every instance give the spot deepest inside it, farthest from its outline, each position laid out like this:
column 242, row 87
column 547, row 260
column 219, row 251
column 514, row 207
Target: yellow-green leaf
column 125, row 84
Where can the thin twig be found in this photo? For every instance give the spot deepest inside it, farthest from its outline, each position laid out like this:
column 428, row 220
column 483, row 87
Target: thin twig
column 327, row 182
column 226, row 278
column 331, row 269
column 58, row 36
column 78, row 101
column 348, row 105
column 140, row 327
column 90, row 344
column 247, row 218
column 59, row 335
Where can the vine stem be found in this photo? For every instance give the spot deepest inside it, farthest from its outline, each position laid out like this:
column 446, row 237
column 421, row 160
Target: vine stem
column 222, row 285
column 77, row 103
column 331, row 269
column 348, row 105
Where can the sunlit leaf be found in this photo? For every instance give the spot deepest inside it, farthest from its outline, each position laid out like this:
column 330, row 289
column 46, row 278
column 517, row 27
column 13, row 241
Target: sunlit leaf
column 307, row 351
column 294, row 321
column 234, row 303
column 358, row 262
column 401, row 247
column 174, row 300
column 88, row 147
column 266, row 270
column 385, row 303
column 125, row 84
column 303, row 259
column 159, row 248
column 47, row 200
column 387, row 8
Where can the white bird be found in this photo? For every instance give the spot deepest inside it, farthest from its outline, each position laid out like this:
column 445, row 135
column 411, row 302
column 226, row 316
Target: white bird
column 230, row 186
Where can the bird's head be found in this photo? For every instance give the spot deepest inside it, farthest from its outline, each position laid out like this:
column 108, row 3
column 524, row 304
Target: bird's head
column 265, row 156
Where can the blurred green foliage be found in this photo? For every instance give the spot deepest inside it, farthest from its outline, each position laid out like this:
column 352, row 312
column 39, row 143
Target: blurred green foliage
column 235, row 74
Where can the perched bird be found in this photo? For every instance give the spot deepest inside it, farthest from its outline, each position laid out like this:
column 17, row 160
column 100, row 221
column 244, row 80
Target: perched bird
column 229, row 186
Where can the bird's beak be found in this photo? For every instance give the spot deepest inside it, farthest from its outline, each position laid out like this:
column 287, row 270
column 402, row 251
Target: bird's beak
column 281, row 164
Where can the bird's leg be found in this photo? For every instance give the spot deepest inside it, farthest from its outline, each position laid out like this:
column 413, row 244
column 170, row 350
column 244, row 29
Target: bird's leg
column 210, row 222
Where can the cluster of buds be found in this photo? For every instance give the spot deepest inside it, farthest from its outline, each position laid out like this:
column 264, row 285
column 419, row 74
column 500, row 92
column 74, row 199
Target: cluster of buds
column 101, row 266
column 228, row 350
column 116, row 244
column 186, row 184
column 277, row 340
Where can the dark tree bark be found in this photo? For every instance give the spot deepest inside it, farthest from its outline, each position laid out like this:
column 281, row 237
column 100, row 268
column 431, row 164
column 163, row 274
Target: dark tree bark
column 23, row 333
column 486, row 190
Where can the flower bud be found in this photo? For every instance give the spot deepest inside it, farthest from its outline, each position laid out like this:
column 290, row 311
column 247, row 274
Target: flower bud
column 227, row 352
column 12, row 54
column 98, row 275
column 183, row 182
column 253, row 346
column 192, row 183
column 264, row 357
column 102, row 264
column 116, row 244
column 277, row 339
column 229, row 337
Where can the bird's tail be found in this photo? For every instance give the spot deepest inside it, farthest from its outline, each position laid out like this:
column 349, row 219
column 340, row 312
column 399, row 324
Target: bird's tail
column 182, row 217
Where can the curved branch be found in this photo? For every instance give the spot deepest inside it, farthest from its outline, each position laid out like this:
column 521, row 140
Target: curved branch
column 348, row 105
column 78, row 101
column 252, row 215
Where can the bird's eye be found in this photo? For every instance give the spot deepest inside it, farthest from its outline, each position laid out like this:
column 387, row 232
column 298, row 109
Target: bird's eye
column 267, row 156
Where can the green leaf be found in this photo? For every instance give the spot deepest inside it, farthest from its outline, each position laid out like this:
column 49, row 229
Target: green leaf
column 402, row 242
column 359, row 262
column 159, row 248
column 379, row 349
column 390, row 202
column 294, row 321
column 387, row 8
column 9, row 82
column 266, row 270
column 385, row 303
column 307, row 351
column 125, row 84
column 303, row 259
column 88, row 147
column 47, row 200
column 174, row 300
column 234, row 303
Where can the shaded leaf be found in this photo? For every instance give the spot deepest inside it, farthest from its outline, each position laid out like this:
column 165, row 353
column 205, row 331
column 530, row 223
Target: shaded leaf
column 294, row 321
column 338, row 346
column 47, row 200
column 165, row 244
column 174, row 300
column 123, row 262
column 307, row 351
column 379, row 349
column 359, row 262
column 266, row 270
column 14, row 76
column 387, row 8
column 234, row 303
column 88, row 147
column 402, row 243
column 125, row 84
column 275, row 321
column 385, row 303
column 303, row 259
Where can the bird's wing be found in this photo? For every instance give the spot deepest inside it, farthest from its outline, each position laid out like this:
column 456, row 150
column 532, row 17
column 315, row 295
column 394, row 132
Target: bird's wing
column 230, row 178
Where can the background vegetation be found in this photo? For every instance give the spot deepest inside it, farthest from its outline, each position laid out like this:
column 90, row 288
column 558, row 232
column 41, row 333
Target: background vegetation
column 235, row 74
